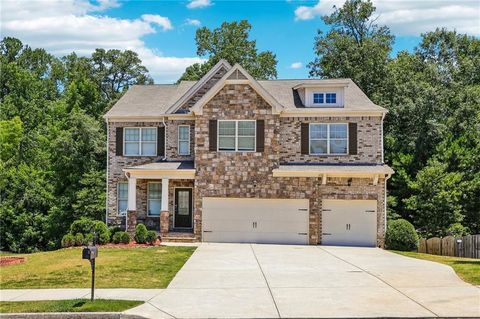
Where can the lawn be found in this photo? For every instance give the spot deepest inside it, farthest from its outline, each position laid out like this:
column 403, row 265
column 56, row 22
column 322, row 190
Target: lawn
column 466, row 268
column 152, row 267
column 75, row 305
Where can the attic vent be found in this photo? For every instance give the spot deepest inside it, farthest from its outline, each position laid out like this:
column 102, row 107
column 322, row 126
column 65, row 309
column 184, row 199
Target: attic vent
column 237, row 75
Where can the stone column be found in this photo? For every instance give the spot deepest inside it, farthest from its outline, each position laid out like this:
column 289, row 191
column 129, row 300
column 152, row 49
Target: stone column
column 164, row 213
column 131, row 222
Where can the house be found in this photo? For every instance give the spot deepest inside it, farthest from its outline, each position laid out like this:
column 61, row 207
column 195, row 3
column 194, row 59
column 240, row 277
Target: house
column 232, row 159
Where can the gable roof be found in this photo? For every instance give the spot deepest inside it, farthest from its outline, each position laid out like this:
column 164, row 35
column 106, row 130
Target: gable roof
column 237, row 75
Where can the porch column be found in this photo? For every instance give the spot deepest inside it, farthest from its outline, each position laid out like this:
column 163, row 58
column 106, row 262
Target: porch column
column 132, row 205
column 164, row 214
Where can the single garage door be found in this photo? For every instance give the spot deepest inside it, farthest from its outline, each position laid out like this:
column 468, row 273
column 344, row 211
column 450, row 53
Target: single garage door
column 349, row 222
column 245, row 220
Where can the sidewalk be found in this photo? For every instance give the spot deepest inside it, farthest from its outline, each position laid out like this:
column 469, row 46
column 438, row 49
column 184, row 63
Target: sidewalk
column 76, row 293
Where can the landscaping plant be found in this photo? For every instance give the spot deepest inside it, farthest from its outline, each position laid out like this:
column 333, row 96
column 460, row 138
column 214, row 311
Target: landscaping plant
column 151, row 237
column 401, row 235
column 141, row 234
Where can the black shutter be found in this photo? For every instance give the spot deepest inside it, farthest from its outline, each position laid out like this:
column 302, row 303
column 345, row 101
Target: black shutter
column 212, row 135
column 161, row 141
column 260, row 135
column 119, row 141
column 352, row 138
column 305, row 138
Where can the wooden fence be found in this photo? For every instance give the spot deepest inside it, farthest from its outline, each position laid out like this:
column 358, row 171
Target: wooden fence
column 466, row 246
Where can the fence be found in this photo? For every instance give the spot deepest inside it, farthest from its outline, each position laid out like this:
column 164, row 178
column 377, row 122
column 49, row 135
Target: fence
column 466, row 246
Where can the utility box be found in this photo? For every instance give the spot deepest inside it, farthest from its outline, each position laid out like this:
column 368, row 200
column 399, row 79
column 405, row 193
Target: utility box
column 89, row 252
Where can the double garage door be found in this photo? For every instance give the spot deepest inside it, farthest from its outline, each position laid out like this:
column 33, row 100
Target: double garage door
column 286, row 221
column 245, row 220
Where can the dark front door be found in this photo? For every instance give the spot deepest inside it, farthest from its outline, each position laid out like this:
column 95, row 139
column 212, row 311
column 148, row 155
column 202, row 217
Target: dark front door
column 183, row 208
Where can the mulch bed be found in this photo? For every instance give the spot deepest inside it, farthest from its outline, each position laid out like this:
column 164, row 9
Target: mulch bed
column 10, row 260
column 130, row 245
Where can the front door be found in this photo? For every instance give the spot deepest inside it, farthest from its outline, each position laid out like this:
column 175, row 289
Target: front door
column 183, row 208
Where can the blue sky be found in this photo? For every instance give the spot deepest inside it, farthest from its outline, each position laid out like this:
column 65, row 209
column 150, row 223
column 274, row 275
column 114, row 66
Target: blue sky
column 163, row 32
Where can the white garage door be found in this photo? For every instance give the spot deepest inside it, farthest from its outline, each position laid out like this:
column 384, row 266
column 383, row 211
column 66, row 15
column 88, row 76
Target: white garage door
column 245, row 220
column 349, row 222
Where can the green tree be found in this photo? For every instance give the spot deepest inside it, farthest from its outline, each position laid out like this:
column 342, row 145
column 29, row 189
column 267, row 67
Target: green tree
column 355, row 47
column 231, row 42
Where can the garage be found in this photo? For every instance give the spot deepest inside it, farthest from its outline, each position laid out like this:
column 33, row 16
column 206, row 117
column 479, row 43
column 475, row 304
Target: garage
column 349, row 222
column 252, row 220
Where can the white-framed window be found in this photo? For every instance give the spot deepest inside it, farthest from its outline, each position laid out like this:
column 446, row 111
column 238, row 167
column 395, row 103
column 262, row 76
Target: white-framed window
column 328, row 139
column 237, row 135
column 184, row 140
column 154, row 198
column 325, row 98
column 122, row 198
column 140, row 141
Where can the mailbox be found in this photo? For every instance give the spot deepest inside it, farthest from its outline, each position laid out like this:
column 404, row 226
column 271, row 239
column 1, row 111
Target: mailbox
column 89, row 252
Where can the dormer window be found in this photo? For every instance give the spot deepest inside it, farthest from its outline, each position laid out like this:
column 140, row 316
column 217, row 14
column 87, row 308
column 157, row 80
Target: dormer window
column 324, row 98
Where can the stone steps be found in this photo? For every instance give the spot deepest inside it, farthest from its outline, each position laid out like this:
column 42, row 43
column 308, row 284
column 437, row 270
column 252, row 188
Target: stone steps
column 175, row 237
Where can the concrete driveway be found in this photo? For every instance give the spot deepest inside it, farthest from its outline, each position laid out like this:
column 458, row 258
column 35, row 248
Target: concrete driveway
column 269, row 281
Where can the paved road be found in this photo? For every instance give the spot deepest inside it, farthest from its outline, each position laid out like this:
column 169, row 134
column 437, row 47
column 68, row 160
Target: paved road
column 268, row 281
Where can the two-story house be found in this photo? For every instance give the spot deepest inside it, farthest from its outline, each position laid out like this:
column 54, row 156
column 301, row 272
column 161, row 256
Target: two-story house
column 232, row 159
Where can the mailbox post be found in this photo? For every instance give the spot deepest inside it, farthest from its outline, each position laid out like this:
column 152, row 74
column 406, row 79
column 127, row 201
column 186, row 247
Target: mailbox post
column 90, row 253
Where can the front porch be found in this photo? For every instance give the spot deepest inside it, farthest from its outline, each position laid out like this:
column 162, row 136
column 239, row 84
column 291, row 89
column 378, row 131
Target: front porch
column 160, row 196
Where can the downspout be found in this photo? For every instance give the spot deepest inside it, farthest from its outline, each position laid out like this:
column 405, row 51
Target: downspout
column 164, row 140
column 127, row 175
column 381, row 145
column 106, row 173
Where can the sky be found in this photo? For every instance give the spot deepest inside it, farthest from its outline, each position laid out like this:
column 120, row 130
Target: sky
column 163, row 32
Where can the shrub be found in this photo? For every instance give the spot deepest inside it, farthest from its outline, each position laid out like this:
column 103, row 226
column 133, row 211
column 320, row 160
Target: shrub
column 83, row 225
column 68, row 240
column 114, row 230
column 88, row 239
column 79, row 239
column 117, row 237
column 103, row 234
column 125, row 238
column 457, row 230
column 141, row 234
column 151, row 237
column 401, row 235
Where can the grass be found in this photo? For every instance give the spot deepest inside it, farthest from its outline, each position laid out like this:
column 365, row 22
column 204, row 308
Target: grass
column 466, row 268
column 152, row 267
column 75, row 305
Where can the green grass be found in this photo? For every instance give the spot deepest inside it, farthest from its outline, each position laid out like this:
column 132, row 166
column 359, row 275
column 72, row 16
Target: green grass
column 152, row 267
column 75, row 305
column 466, row 268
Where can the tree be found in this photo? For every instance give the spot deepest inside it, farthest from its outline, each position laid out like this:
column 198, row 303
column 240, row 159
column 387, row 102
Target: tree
column 355, row 47
column 230, row 42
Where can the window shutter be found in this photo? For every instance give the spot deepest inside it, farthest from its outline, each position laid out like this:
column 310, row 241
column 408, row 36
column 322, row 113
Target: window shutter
column 304, row 138
column 161, row 141
column 260, row 135
column 119, row 141
column 212, row 135
column 352, row 138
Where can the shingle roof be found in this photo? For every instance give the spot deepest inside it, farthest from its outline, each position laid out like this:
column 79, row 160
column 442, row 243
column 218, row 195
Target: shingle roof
column 154, row 100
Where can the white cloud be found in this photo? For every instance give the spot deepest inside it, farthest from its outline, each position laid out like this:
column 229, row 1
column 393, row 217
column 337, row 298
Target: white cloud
column 409, row 17
column 196, row 4
column 193, row 22
column 296, row 65
column 64, row 26
column 163, row 22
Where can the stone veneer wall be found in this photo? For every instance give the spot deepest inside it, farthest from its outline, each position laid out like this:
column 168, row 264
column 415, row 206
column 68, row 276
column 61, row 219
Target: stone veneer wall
column 117, row 163
column 369, row 140
column 249, row 174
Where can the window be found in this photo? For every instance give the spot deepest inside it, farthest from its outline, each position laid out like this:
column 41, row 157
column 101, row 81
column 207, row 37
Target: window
column 329, row 139
column 184, row 140
column 140, row 141
column 324, row 98
column 122, row 198
column 331, row 98
column 236, row 135
column 154, row 201
column 318, row 98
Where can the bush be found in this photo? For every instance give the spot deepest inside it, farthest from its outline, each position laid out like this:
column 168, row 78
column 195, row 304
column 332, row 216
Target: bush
column 401, row 235
column 83, row 225
column 125, row 238
column 68, row 240
column 457, row 230
column 141, row 234
column 103, row 234
column 151, row 237
column 88, row 239
column 113, row 230
column 79, row 239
